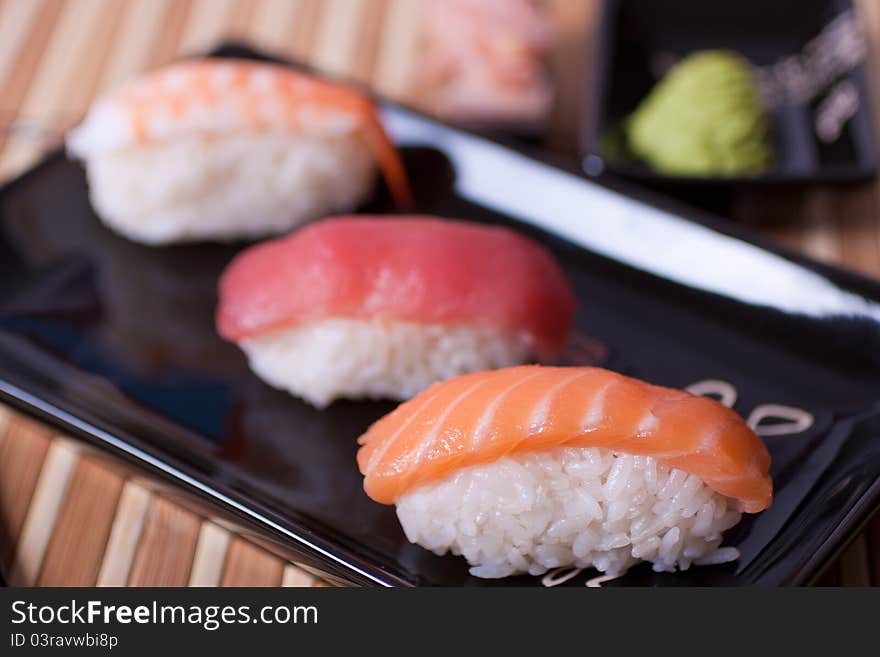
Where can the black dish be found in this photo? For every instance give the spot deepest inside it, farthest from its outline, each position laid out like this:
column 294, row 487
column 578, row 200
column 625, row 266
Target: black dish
column 633, row 32
column 114, row 342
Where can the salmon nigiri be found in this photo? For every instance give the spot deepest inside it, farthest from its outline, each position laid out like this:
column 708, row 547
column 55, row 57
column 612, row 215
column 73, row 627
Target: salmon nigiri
column 529, row 468
column 220, row 149
column 385, row 306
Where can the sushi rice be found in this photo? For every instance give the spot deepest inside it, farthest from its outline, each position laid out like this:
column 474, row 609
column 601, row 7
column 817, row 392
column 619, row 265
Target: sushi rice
column 241, row 186
column 579, row 507
column 332, row 358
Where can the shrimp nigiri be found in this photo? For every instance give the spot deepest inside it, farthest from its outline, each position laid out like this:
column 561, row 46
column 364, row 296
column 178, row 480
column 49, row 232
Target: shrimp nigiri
column 529, row 468
column 384, row 306
column 484, row 61
column 227, row 149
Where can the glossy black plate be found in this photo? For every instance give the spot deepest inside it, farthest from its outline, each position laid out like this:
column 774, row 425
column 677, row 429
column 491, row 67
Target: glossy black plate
column 114, row 342
column 634, row 34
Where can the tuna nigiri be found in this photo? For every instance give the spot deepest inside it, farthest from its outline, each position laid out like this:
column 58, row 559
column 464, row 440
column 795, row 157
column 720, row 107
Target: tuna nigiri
column 385, row 306
column 529, row 468
column 225, row 149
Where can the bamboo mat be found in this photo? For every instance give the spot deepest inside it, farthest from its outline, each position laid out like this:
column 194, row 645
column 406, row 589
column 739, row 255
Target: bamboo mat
column 69, row 516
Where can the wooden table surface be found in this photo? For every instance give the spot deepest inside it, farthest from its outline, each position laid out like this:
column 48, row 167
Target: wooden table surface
column 73, row 517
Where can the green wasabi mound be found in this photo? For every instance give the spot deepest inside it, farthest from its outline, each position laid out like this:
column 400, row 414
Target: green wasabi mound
column 703, row 119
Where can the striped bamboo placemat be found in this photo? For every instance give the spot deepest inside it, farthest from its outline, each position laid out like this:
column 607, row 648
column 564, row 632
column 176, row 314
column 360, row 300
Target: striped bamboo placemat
column 71, row 517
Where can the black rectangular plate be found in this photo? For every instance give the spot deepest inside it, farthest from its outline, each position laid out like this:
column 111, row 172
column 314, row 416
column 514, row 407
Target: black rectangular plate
column 632, row 32
column 115, row 342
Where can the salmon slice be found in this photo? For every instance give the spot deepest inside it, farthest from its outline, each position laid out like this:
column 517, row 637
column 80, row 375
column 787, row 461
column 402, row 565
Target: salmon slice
column 417, row 269
column 213, row 97
column 479, row 418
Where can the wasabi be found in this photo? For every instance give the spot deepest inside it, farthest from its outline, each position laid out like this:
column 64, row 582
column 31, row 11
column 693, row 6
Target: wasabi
column 703, row 119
